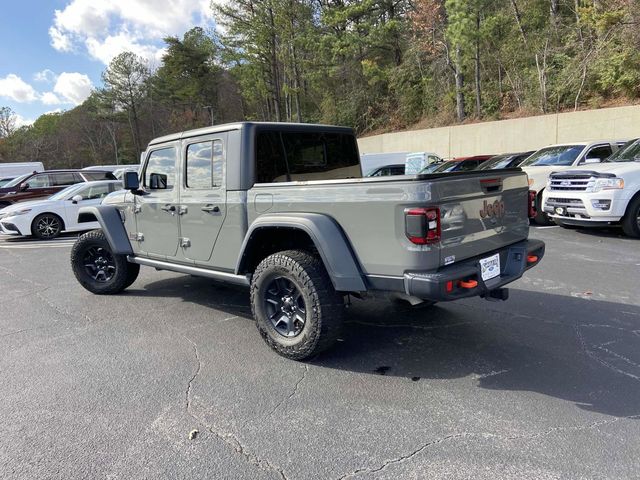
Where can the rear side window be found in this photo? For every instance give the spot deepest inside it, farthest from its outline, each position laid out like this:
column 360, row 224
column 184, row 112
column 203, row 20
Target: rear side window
column 302, row 156
column 160, row 173
column 64, row 179
column 99, row 176
column 205, row 165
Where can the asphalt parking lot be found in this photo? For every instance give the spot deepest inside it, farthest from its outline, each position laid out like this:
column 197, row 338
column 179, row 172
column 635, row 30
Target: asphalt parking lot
column 546, row 385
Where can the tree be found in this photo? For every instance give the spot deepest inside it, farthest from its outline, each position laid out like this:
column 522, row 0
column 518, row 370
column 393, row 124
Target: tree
column 125, row 82
column 7, row 122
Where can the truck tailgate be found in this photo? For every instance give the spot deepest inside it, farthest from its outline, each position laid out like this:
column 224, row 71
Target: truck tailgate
column 481, row 212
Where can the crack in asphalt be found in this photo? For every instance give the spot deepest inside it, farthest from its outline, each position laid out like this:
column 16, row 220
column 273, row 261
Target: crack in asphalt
column 587, row 351
column 195, row 374
column 293, row 392
column 228, row 438
column 402, row 458
column 455, row 436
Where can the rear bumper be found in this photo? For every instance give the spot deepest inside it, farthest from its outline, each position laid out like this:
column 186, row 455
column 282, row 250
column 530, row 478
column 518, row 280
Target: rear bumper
column 513, row 263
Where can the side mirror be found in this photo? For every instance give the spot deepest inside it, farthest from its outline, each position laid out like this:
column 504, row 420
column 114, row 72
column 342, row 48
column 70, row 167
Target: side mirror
column 592, row 160
column 131, row 181
column 24, row 186
column 76, row 198
column 158, row 181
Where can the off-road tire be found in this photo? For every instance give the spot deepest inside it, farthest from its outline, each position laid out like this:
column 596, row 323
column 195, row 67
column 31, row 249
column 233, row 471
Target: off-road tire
column 631, row 220
column 51, row 217
column 323, row 305
column 541, row 218
column 122, row 276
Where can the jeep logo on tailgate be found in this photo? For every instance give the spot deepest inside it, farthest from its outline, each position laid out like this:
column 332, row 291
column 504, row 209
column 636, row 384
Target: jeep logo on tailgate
column 495, row 209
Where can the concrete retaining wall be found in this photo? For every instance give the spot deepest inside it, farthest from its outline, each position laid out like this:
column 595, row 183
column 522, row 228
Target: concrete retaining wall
column 515, row 135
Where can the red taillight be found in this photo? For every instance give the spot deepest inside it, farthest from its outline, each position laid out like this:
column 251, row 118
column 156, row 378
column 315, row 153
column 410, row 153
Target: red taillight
column 533, row 211
column 422, row 225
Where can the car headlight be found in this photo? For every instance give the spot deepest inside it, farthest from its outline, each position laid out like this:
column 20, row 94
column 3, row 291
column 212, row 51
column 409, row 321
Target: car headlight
column 606, row 184
column 19, row 212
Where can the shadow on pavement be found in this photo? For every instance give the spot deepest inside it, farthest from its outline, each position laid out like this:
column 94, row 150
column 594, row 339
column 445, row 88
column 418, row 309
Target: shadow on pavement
column 583, row 351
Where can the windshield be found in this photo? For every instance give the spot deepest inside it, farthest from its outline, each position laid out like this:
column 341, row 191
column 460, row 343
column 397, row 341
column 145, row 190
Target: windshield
column 629, row 152
column 554, row 156
column 501, row 161
column 62, row 194
column 18, row 180
column 446, row 166
column 430, row 168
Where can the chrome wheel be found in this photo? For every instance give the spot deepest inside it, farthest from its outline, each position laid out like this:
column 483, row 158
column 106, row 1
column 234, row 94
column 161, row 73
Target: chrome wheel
column 285, row 307
column 99, row 264
column 48, row 227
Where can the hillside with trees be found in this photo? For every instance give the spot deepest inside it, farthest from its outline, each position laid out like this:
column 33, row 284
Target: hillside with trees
column 374, row 65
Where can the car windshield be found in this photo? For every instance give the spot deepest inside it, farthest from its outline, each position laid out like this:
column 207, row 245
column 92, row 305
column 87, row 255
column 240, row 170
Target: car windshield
column 445, row 166
column 565, row 155
column 17, row 180
column 629, row 152
column 62, row 194
column 430, row 168
column 500, row 161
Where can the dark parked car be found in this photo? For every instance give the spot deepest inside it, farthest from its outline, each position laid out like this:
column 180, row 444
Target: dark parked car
column 33, row 186
column 507, row 160
column 462, row 164
column 387, row 171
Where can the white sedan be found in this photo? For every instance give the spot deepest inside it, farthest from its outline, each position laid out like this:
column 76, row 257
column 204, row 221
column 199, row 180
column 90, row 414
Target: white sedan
column 49, row 217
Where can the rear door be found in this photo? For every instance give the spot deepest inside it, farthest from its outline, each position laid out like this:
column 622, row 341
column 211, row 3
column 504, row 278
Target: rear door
column 481, row 212
column 202, row 196
column 157, row 210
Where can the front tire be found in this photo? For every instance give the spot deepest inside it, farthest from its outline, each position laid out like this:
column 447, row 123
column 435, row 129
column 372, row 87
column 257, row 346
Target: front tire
column 97, row 268
column 47, row 226
column 631, row 221
column 541, row 218
column 298, row 312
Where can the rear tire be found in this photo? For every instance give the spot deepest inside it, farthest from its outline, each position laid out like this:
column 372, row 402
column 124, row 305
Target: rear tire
column 47, row 226
column 631, row 220
column 97, row 268
column 298, row 312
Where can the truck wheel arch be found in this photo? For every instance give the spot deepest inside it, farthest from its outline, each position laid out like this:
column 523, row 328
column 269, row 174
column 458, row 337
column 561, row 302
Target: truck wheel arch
column 321, row 232
column 110, row 221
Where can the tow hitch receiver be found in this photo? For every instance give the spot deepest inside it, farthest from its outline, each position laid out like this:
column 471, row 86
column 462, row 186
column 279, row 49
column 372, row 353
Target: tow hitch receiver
column 497, row 295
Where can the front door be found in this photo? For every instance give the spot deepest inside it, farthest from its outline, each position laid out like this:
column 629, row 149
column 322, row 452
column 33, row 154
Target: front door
column 157, row 210
column 203, row 196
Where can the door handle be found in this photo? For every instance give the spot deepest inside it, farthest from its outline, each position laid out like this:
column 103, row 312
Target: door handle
column 211, row 209
column 169, row 208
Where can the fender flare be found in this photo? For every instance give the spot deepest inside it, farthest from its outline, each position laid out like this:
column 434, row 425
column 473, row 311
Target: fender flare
column 110, row 221
column 328, row 238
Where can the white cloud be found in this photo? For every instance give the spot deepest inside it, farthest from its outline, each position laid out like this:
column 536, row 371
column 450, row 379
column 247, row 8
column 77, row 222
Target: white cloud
column 50, row 98
column 108, row 27
column 59, row 40
column 71, row 88
column 45, row 76
column 13, row 87
column 108, row 48
column 23, row 122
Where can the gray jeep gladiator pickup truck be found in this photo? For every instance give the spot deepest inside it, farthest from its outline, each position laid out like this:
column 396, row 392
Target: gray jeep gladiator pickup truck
column 284, row 209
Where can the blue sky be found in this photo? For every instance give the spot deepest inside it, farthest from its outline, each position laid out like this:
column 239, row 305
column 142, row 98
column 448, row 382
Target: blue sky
column 52, row 52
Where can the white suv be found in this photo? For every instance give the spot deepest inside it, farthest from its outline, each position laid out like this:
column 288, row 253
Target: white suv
column 598, row 195
column 561, row 157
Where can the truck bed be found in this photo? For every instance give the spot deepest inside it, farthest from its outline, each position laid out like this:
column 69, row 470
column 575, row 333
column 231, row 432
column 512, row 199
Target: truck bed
column 371, row 213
